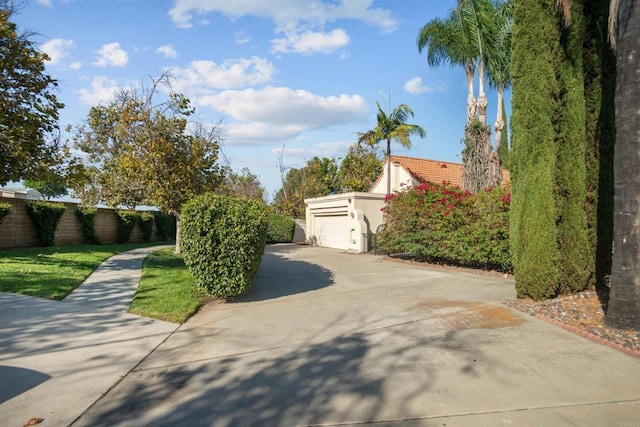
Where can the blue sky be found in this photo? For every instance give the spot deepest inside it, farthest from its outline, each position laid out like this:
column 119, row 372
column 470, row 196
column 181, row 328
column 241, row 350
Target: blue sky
column 303, row 74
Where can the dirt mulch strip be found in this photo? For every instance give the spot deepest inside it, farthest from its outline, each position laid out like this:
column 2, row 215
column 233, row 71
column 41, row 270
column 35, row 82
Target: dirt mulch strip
column 581, row 313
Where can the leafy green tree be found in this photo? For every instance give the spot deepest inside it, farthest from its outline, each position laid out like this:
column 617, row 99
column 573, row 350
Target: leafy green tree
column 149, row 152
column 360, row 168
column 28, row 105
column 316, row 179
column 243, row 185
column 392, row 127
column 52, row 186
column 624, row 301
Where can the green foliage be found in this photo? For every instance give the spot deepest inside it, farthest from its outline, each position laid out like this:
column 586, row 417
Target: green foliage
column 45, row 216
column 5, row 208
column 533, row 155
column 29, row 107
column 318, row 178
column 223, row 241
column 439, row 223
column 243, row 185
column 126, row 221
column 150, row 152
column 165, row 225
column 87, row 217
column 359, row 169
column 280, row 228
column 576, row 263
column 146, row 221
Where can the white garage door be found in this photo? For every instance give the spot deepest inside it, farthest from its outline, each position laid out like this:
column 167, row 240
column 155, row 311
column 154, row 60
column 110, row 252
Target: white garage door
column 332, row 231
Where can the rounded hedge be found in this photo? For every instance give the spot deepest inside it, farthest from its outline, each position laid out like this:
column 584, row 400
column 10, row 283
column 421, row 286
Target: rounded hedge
column 45, row 216
column 280, row 228
column 222, row 241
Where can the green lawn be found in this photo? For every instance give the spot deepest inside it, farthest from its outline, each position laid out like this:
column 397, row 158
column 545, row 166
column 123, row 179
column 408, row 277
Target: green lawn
column 53, row 272
column 167, row 290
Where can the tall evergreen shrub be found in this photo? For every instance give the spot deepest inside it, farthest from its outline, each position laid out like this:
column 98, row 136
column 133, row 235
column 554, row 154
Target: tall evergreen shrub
column 222, row 241
column 534, row 236
column 576, row 263
column 45, row 217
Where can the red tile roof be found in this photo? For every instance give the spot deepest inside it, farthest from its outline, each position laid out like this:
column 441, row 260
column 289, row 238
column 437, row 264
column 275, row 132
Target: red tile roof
column 435, row 171
column 431, row 170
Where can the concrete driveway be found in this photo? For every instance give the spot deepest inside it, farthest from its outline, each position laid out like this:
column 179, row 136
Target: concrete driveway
column 330, row 338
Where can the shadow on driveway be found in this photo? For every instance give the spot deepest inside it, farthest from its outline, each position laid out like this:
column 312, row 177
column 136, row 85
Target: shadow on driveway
column 280, row 276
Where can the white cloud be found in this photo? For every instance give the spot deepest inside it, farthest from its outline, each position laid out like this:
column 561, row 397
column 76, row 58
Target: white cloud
column 168, row 51
column 102, row 90
column 57, row 49
column 111, row 55
column 288, row 13
column 203, row 76
column 242, row 37
column 75, row 65
column 309, row 42
column 415, row 86
column 282, row 106
column 47, row 3
column 321, row 149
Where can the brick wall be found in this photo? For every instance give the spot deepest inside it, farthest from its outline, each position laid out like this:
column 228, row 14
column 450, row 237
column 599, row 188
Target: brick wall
column 17, row 230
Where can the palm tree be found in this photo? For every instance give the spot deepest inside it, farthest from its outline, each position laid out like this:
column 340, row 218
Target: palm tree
column 624, row 301
column 499, row 62
column 390, row 127
column 446, row 42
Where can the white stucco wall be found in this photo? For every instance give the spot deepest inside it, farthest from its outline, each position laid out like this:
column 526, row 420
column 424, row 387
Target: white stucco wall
column 401, row 180
column 357, row 215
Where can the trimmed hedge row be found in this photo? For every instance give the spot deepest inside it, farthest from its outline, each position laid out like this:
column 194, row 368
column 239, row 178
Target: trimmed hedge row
column 438, row 223
column 280, row 228
column 222, row 241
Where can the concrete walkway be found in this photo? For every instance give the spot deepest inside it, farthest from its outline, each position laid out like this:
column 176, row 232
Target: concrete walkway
column 58, row 358
column 329, row 338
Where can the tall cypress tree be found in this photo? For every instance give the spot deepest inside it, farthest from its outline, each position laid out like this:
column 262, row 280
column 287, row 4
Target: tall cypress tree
column 575, row 260
column 534, row 63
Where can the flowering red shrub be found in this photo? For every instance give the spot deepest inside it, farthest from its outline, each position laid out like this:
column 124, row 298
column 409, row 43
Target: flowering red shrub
column 440, row 223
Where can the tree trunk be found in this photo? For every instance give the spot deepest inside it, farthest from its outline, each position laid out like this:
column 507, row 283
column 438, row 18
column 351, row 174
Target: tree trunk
column 177, row 250
column 624, row 301
column 482, row 98
column 388, row 166
column 471, row 100
column 499, row 124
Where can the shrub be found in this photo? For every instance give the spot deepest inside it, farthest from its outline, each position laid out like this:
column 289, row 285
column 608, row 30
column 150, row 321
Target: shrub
column 87, row 218
column 45, row 217
column 222, row 241
column 280, row 228
column 126, row 220
column 146, row 225
column 5, row 208
column 165, row 224
column 446, row 224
